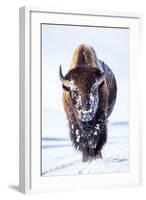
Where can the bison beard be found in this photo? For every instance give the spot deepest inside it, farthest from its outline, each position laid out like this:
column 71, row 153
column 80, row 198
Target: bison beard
column 88, row 80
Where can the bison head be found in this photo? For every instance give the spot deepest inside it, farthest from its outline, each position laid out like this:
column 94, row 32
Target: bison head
column 83, row 85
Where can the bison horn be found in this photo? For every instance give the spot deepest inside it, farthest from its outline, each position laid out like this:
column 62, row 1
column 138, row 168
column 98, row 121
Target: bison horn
column 64, row 81
column 101, row 78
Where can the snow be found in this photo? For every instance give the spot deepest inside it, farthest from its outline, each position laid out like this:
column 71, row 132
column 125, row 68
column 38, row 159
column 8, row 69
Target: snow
column 60, row 158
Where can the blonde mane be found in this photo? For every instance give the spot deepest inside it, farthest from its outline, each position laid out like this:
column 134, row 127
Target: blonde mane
column 84, row 55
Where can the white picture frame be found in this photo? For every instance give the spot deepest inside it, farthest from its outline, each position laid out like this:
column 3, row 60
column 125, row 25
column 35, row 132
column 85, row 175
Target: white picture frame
column 30, row 116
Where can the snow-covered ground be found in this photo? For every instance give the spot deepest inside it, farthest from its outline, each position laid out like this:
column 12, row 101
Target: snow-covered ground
column 60, row 158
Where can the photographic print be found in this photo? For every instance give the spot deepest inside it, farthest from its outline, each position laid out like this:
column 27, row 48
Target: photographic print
column 84, row 108
column 79, row 109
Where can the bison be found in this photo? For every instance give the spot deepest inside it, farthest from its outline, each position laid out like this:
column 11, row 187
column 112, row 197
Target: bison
column 89, row 95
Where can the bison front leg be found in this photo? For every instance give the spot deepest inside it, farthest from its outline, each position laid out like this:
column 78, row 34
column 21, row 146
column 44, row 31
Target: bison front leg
column 101, row 138
column 85, row 154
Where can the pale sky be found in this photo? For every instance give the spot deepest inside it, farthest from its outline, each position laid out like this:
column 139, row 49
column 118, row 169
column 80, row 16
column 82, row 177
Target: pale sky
column 58, row 45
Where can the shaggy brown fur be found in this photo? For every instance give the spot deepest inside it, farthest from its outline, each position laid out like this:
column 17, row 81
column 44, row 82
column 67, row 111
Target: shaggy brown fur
column 84, row 55
column 85, row 68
